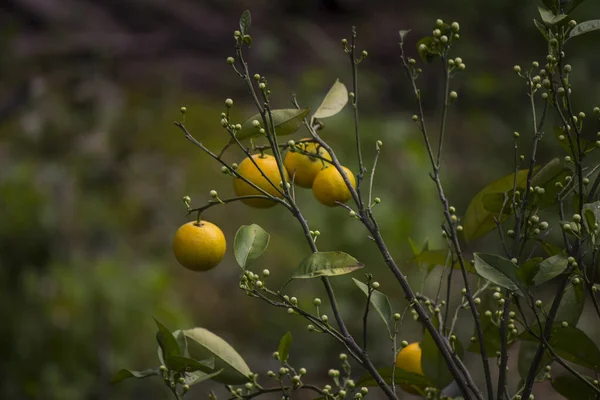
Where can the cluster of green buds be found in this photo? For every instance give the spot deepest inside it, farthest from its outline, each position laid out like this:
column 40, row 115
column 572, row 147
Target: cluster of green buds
column 174, row 380
column 455, row 219
column 573, row 227
column 343, row 385
column 434, row 309
column 250, row 281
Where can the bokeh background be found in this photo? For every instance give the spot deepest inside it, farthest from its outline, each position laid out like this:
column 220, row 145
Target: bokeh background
column 92, row 170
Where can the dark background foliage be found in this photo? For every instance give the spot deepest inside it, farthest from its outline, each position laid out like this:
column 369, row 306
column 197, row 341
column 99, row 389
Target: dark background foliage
column 92, row 170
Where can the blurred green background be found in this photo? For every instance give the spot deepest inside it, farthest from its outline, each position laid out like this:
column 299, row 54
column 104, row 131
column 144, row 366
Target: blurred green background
column 92, row 170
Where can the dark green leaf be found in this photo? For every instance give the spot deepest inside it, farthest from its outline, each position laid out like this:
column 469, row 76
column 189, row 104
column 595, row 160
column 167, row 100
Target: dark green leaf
column 528, row 270
column 571, row 306
column 430, row 51
column 203, row 344
column 381, row 303
column 247, row 39
column 433, row 363
column 542, row 28
column 249, row 243
column 403, row 34
column 549, row 248
column 591, row 217
column 477, row 220
column 334, row 101
column 329, row 263
column 550, row 268
column 572, row 388
column 181, row 364
column 400, row 377
column 571, row 344
column 286, row 121
column 284, row 347
column 527, row 352
column 549, row 18
column 181, row 342
column 546, row 177
column 167, row 342
column 127, row 373
column 192, row 378
column 585, row 27
column 499, row 271
column 491, row 338
column 245, row 21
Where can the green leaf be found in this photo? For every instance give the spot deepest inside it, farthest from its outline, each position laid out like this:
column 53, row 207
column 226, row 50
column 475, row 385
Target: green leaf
column 585, row 27
column 528, row 270
column 499, row 271
column 574, row 4
column 546, row 177
column 203, row 344
column 181, row 364
column 549, row 18
column 167, row 342
column 477, row 220
column 128, row 373
column 571, row 306
column 542, row 28
column 329, row 263
column 400, row 377
column 192, row 378
column 380, row 302
column 591, row 217
column 430, row 52
column 286, row 121
column 249, row 243
column 550, row 268
column 181, row 342
column 527, row 352
column 247, row 39
column 491, row 338
column 572, row 388
column 334, row 101
column 572, row 344
column 433, row 363
column 245, row 21
column 284, row 347
column 551, row 5
column 549, row 248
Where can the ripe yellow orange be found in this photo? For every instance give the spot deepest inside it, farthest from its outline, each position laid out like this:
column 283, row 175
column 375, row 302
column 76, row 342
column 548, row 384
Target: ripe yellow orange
column 304, row 166
column 248, row 170
column 409, row 359
column 329, row 186
column 199, row 246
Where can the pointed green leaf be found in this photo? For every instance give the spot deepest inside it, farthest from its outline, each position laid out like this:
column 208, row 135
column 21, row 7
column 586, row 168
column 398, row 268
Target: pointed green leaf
column 585, row 27
column 286, row 121
column 591, row 217
column 181, row 342
column 572, row 344
column 433, row 363
column 128, row 373
column 167, row 342
column 546, row 177
column 500, row 271
column 527, row 352
column 249, row 244
column 542, row 28
column 192, row 378
column 550, row 268
column 528, row 270
column 400, row 377
column 334, row 101
column 284, row 347
column 245, row 21
column 203, row 344
column 477, row 220
column 329, row 263
column 549, row 18
column 380, row 302
column 181, row 364
column 572, row 388
column 571, row 306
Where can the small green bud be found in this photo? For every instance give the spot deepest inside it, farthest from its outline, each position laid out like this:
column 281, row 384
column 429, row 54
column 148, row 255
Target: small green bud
column 463, row 291
column 275, row 355
column 365, row 54
column 283, row 371
column 324, row 318
column 302, row 371
column 213, row 193
column 290, row 311
column 444, row 39
column 230, row 60
column 344, row 42
column 462, row 67
column 262, row 86
column 259, row 285
column 342, row 393
column 436, row 33
column 497, row 295
column 455, row 26
column 238, row 127
column 234, row 165
column 459, row 228
column 415, row 118
column 343, row 356
column 375, row 285
column 538, row 303
column 364, row 390
column 317, row 301
column 576, row 281
column 249, row 385
column 577, row 218
column 535, row 64
column 397, row 317
column 185, row 387
column 271, row 374
column 567, row 158
column 516, row 135
column 564, row 324
column 352, row 213
column 477, row 300
column 266, row 272
column 228, row 102
column 452, row 209
column 377, row 200
column 294, row 300
column 572, row 23
column 473, row 339
column 310, row 327
column 296, row 379
column 224, row 169
column 163, row 368
column 404, row 343
column 487, row 313
column 596, row 110
column 453, row 95
column 517, row 69
column 439, row 23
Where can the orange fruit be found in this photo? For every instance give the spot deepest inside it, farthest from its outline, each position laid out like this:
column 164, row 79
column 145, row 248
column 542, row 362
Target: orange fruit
column 199, row 246
column 304, row 166
column 247, row 169
column 329, row 186
column 409, row 359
